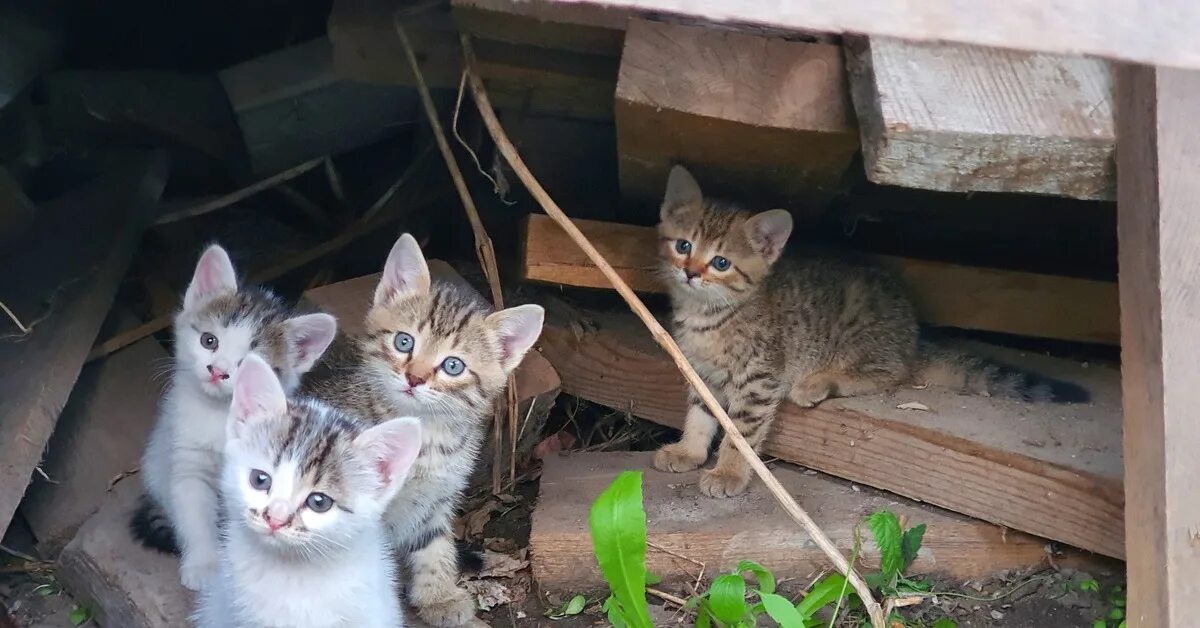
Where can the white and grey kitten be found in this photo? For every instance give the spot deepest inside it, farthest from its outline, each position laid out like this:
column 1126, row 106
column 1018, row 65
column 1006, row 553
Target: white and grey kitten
column 217, row 327
column 304, row 489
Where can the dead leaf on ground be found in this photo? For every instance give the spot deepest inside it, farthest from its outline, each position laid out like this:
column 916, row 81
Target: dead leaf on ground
column 913, row 405
column 497, row 565
column 552, row 444
column 488, row 593
column 471, row 525
column 500, row 544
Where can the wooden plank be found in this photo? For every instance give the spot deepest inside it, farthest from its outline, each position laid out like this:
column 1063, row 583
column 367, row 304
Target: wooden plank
column 751, row 526
column 967, row 119
column 1159, row 228
column 486, row 24
column 1161, row 33
column 949, row 295
column 726, row 105
column 1047, row 469
column 102, row 223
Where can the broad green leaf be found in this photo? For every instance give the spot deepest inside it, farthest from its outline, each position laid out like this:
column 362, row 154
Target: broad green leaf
column 763, row 576
column 79, row 615
column 877, row 580
column 945, row 622
column 1090, row 585
column 575, row 606
column 618, row 526
column 1099, row 623
column 612, row 608
column 911, row 585
column 1116, row 614
column 727, row 598
column 652, row 579
column 910, row 543
column 885, row 528
column 825, row 592
column 781, row 610
column 703, row 616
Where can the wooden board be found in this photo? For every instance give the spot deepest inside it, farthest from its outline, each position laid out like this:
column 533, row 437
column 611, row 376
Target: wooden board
column 1047, row 469
column 1160, row 332
column 987, row 299
column 752, row 526
column 968, row 119
column 744, row 112
column 483, row 23
column 1162, row 33
column 102, row 222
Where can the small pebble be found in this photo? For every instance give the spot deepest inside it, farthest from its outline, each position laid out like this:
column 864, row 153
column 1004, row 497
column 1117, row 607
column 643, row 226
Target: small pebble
column 997, row 615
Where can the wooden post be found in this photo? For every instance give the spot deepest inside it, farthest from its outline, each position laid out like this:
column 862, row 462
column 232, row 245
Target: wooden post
column 1159, row 228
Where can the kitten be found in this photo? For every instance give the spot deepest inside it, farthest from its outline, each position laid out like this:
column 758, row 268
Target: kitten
column 304, row 489
column 434, row 350
column 216, row 328
column 758, row 330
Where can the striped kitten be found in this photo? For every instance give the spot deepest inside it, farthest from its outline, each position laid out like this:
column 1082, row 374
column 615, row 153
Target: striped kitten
column 434, row 350
column 758, row 330
column 304, row 489
column 216, row 328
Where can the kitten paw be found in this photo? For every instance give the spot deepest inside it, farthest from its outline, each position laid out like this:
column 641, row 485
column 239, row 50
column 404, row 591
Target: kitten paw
column 676, row 458
column 720, row 482
column 453, row 612
column 195, row 572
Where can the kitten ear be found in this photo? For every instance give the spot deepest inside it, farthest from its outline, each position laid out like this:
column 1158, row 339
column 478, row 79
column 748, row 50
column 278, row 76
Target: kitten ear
column 518, row 328
column 391, row 448
column 257, row 395
column 683, row 192
column 405, row 273
column 768, row 232
column 308, row 337
column 214, row 276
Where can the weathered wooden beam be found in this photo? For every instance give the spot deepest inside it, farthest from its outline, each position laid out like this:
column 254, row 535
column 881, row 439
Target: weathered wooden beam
column 1162, row 33
column 1159, row 229
column 968, row 119
column 721, row 532
column 747, row 113
column 1048, row 469
column 484, row 23
column 71, row 264
column 948, row 295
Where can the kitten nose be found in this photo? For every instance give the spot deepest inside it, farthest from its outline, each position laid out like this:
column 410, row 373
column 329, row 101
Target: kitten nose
column 413, row 380
column 691, row 274
column 216, row 373
column 277, row 516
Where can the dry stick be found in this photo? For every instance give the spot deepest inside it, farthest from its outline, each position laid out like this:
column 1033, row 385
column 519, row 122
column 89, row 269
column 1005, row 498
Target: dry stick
column 664, row 340
column 483, row 243
column 238, row 195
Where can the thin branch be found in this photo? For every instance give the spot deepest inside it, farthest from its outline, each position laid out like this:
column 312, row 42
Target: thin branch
column 500, row 192
column 506, row 148
column 238, row 195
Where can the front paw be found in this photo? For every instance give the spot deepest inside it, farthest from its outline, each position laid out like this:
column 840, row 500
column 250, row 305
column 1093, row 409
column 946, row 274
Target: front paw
column 677, row 458
column 196, row 570
column 723, row 482
column 452, row 612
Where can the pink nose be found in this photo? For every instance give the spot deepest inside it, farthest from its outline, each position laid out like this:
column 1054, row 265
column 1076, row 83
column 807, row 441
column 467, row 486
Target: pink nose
column 215, row 374
column 277, row 516
column 413, row 380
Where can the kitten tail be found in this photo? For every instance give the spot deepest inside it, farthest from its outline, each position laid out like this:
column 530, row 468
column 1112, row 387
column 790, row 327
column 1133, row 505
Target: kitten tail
column 151, row 527
column 973, row 374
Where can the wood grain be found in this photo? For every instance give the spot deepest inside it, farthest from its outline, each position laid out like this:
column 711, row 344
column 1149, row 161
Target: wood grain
column 1046, row 469
column 721, row 532
column 950, row 295
column 744, row 112
column 1159, row 229
column 1160, row 33
column 965, row 119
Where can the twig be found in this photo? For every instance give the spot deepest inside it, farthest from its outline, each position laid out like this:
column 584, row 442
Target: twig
column 238, row 195
column 674, row 599
column 412, row 168
column 21, row 326
column 19, row 554
column 699, row 577
column 335, row 181
column 27, row 328
column 462, row 84
column 664, row 339
column 483, row 243
column 310, row 209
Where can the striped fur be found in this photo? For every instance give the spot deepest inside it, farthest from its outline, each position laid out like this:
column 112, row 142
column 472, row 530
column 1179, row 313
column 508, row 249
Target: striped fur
column 369, row 376
column 765, row 329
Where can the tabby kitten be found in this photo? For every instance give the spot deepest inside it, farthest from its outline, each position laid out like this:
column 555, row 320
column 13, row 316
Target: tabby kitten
column 758, row 330
column 435, row 350
column 216, row 328
column 304, row 489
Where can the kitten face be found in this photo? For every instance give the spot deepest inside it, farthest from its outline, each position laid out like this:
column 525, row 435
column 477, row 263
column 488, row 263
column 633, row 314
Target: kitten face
column 302, row 477
column 438, row 346
column 713, row 252
column 220, row 324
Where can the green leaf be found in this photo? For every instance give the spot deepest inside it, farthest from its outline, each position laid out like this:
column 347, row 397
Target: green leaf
column 1099, row 623
column 885, row 528
column 574, row 606
column 79, row 615
column 618, row 525
column 727, row 598
column 703, row 616
column 825, row 592
column 652, row 579
column 877, row 580
column 612, row 608
column 945, row 622
column 910, row 544
column 764, row 578
column 781, row 610
column 1090, row 586
column 1116, row 614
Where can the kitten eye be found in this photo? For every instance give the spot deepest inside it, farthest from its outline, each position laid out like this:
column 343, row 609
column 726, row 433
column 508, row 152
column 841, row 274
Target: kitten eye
column 260, row 480
column 209, row 341
column 319, row 502
column 404, row 343
column 683, row 247
column 720, row 263
column 453, row 366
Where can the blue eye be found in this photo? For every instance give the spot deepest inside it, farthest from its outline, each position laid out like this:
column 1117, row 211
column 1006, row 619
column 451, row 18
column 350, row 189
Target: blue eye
column 260, row 480
column 683, row 247
column 404, row 343
column 453, row 366
column 720, row 263
column 319, row 502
